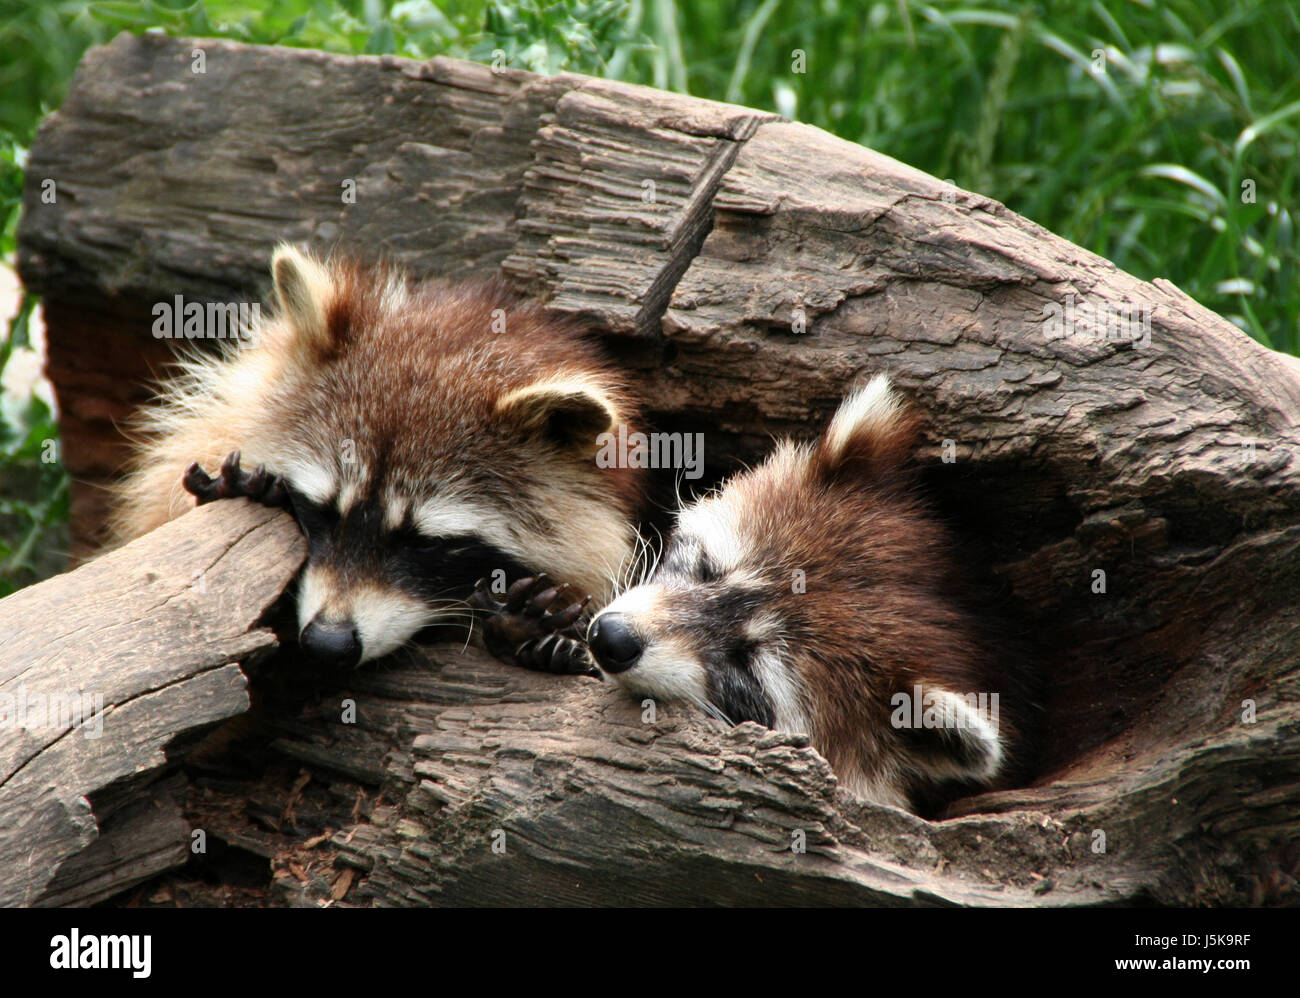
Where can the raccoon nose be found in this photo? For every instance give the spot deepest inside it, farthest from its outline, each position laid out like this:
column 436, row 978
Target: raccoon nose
column 331, row 643
column 612, row 642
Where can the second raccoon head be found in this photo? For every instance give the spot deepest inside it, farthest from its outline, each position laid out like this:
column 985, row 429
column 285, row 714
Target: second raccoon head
column 806, row 595
column 424, row 448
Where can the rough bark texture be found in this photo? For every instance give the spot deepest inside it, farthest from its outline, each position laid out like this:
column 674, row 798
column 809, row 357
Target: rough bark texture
column 751, row 269
column 153, row 634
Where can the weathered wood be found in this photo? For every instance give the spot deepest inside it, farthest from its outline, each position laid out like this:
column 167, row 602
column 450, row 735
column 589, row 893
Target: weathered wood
column 1136, row 498
column 446, row 167
column 569, row 793
column 515, row 788
column 145, row 836
column 135, row 649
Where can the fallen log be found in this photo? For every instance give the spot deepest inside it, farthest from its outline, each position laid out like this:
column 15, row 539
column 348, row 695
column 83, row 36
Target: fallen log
column 1120, row 463
column 104, row 673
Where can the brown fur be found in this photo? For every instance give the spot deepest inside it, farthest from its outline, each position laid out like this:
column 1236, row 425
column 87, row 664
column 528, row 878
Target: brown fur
column 884, row 608
column 433, row 371
column 388, row 393
column 878, row 616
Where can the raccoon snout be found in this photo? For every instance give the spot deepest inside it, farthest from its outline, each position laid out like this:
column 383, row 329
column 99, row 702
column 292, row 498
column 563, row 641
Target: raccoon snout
column 331, row 643
column 611, row 640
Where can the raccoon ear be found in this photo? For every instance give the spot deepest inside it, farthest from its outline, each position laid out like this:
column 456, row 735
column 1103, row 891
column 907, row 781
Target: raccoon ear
column 954, row 740
column 567, row 412
column 304, row 289
column 872, row 432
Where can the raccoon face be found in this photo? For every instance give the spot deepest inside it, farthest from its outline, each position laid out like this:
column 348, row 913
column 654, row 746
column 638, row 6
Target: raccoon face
column 431, row 435
column 395, row 547
column 708, row 628
column 809, row 595
column 377, row 575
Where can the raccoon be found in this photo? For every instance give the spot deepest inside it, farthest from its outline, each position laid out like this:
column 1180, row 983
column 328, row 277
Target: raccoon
column 816, row 593
column 423, row 434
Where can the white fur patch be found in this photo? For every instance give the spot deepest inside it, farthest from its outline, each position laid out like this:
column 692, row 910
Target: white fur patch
column 452, row 516
column 349, row 493
column 395, row 296
column 315, row 481
column 384, row 620
column 977, row 731
column 871, row 411
column 784, row 688
column 597, row 541
column 387, row 620
column 761, row 628
column 636, row 602
column 313, row 588
column 395, row 509
column 709, row 523
column 304, row 288
column 667, row 670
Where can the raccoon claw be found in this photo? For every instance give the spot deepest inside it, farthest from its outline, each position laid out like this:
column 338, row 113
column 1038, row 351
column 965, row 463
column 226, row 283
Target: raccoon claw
column 559, row 620
column 536, row 626
column 557, row 653
column 232, row 480
column 199, row 484
column 522, row 592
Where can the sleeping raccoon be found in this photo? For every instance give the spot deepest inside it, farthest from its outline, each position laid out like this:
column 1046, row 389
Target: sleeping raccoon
column 815, row 593
column 423, row 435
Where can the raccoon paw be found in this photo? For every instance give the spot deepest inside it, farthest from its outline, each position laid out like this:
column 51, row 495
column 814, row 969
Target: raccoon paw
column 232, row 480
column 538, row 625
column 557, row 653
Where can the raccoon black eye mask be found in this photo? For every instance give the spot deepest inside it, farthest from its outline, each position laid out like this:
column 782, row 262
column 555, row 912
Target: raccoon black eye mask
column 816, row 593
column 538, row 624
column 425, row 434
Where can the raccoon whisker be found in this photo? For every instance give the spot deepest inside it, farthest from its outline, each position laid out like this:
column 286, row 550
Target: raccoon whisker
column 625, row 566
column 453, row 619
column 464, row 617
column 650, row 563
column 638, row 566
column 677, row 487
column 408, row 655
column 469, row 634
column 618, row 579
column 710, row 708
column 449, row 604
column 441, row 599
column 721, row 715
column 452, row 611
column 640, row 560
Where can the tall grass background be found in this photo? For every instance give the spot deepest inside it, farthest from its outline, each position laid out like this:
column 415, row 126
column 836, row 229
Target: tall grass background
column 1161, row 134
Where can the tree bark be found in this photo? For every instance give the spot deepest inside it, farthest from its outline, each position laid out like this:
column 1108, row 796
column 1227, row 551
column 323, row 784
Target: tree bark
column 107, row 669
column 1135, row 496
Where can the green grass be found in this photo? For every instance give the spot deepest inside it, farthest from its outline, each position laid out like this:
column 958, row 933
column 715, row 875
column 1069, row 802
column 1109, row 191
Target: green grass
column 1126, row 126
column 33, row 484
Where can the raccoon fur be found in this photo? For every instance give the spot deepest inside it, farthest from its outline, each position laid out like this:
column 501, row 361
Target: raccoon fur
column 424, row 434
column 816, row 593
